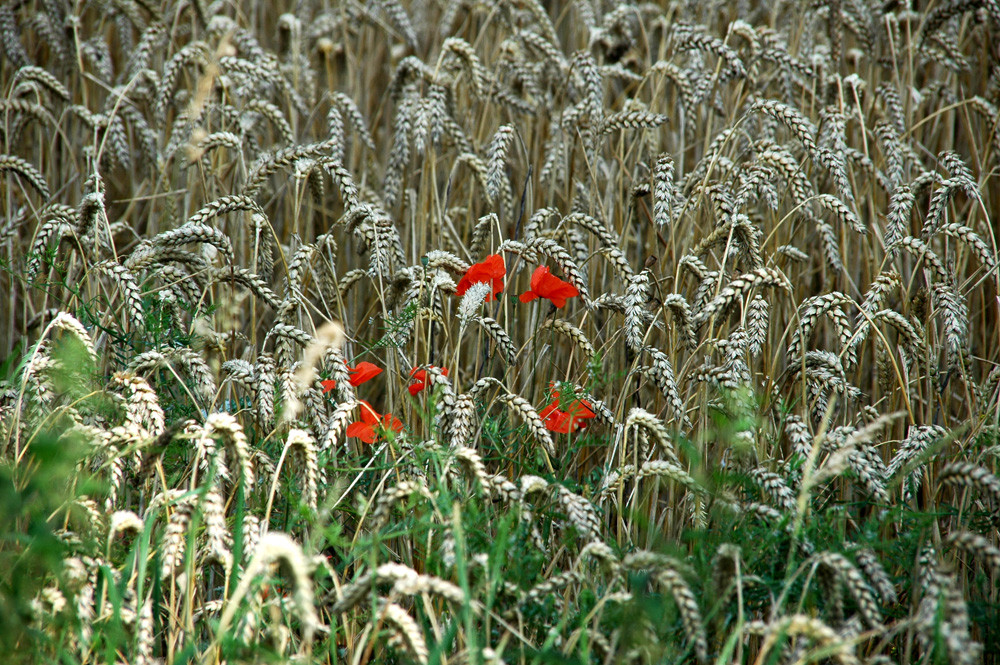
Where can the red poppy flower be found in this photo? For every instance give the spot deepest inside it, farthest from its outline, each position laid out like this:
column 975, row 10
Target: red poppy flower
column 490, row 271
column 421, row 379
column 546, row 285
column 570, row 420
column 366, row 428
column 363, row 371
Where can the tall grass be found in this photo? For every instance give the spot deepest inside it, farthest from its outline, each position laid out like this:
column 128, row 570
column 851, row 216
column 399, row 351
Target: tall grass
column 762, row 428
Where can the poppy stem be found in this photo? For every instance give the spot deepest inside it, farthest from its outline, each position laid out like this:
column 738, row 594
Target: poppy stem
column 548, row 461
column 520, row 211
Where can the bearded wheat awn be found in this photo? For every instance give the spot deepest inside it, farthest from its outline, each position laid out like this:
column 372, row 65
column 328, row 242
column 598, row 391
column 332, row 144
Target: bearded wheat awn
column 20, row 166
column 737, row 289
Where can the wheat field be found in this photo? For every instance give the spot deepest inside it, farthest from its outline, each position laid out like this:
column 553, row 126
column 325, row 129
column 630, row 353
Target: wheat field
column 460, row 331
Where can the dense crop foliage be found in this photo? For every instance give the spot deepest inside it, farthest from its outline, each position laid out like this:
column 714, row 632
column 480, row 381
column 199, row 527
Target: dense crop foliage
column 481, row 332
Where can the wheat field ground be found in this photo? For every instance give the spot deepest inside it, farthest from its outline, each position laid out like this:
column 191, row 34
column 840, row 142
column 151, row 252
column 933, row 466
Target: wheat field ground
column 500, row 331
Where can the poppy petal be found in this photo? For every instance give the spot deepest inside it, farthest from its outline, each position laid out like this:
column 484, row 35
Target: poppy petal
column 571, row 288
column 572, row 419
column 390, row 421
column 419, row 375
column 555, row 419
column 527, row 296
column 548, row 410
column 546, row 285
column 565, row 289
column 537, row 276
column 497, row 271
column 491, row 271
column 559, row 423
column 560, row 296
column 361, row 431
column 546, row 280
column 364, row 371
column 328, row 385
column 557, row 290
column 463, row 285
column 577, row 420
column 478, row 272
column 494, row 263
column 580, row 409
column 368, row 414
